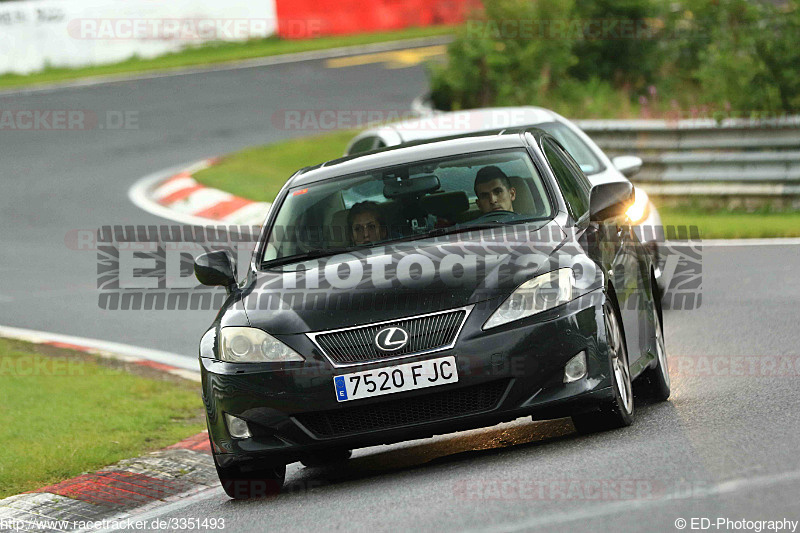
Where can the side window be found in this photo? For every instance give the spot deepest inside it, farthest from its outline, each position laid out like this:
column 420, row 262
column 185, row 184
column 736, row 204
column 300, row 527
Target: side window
column 575, row 147
column 573, row 183
column 363, row 145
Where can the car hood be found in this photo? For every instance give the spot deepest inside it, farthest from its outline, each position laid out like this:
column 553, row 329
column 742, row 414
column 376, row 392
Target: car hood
column 400, row 280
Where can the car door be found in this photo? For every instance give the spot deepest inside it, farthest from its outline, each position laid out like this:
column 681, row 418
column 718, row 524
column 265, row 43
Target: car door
column 615, row 240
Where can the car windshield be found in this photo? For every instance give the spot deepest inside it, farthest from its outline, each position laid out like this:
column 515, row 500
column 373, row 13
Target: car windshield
column 582, row 154
column 406, row 202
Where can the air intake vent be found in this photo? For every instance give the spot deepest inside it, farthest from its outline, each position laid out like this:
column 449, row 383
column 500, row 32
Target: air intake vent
column 403, row 412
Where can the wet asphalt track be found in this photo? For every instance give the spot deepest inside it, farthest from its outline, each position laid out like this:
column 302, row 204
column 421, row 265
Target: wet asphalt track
column 58, row 181
column 724, row 446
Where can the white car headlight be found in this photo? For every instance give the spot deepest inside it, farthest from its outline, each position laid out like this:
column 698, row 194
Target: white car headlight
column 536, row 295
column 640, row 209
column 252, row 345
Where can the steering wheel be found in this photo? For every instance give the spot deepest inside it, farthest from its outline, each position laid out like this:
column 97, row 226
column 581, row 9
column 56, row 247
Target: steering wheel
column 501, row 213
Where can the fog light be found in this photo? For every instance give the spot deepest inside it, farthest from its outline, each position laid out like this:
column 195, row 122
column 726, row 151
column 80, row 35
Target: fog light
column 575, row 368
column 237, row 427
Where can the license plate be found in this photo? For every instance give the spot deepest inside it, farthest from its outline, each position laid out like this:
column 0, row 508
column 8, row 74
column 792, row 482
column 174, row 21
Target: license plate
column 399, row 378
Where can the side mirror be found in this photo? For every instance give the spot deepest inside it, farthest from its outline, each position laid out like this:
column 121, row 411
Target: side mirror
column 216, row 268
column 627, row 164
column 609, row 200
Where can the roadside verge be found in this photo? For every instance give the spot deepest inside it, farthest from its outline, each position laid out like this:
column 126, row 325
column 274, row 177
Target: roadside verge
column 69, row 382
column 177, row 365
column 174, row 66
column 117, row 492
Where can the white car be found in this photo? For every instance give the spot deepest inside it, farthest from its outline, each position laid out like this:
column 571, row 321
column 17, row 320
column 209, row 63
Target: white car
column 597, row 166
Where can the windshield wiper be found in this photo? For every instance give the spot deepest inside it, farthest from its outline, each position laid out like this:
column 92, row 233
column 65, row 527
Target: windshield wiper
column 458, row 228
column 299, row 258
column 461, row 228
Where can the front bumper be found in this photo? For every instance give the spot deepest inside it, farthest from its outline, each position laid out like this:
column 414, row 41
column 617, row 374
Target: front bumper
column 522, row 363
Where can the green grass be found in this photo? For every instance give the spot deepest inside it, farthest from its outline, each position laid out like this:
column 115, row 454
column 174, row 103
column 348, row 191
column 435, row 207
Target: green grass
column 259, row 172
column 64, row 414
column 724, row 224
column 217, row 52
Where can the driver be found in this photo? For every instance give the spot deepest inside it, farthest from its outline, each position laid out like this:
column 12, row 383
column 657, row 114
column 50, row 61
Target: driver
column 366, row 223
column 494, row 190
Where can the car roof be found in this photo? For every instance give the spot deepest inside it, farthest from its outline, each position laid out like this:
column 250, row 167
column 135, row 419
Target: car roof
column 463, row 122
column 409, row 153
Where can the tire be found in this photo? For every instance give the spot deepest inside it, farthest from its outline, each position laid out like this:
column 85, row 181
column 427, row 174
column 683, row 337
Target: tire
column 655, row 381
column 244, row 483
column 328, row 457
column 617, row 412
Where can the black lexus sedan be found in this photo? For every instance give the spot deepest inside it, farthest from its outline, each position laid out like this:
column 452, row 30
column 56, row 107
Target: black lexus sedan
column 424, row 289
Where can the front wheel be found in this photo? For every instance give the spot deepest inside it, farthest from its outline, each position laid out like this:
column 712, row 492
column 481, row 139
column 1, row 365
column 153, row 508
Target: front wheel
column 655, row 381
column 617, row 412
column 246, row 482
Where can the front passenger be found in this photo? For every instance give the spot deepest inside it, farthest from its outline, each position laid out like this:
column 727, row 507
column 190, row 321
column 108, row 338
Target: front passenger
column 366, row 223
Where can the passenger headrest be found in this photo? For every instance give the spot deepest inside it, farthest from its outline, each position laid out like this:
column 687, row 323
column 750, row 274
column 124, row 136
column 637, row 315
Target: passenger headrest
column 524, row 202
column 338, row 233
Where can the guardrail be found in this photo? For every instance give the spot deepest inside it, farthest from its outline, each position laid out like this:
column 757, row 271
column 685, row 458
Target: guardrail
column 702, row 157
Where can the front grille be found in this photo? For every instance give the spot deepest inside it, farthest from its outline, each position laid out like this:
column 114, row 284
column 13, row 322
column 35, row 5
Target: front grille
column 425, row 333
column 397, row 413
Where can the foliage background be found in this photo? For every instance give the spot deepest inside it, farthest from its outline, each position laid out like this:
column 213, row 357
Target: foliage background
column 580, row 57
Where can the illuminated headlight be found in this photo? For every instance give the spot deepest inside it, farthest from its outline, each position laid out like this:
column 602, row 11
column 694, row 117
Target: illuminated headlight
column 640, row 208
column 536, row 295
column 252, row 345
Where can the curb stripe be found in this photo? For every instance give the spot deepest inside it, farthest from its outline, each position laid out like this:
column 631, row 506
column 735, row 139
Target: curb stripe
column 253, row 214
column 180, row 194
column 201, row 199
column 173, row 184
column 177, row 364
column 68, row 346
column 198, row 443
column 141, row 483
column 116, row 488
column 157, row 366
column 174, row 194
column 223, row 209
column 144, row 484
column 179, row 176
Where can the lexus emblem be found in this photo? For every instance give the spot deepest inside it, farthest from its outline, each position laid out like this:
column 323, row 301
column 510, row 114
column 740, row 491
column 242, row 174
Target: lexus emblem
column 391, row 339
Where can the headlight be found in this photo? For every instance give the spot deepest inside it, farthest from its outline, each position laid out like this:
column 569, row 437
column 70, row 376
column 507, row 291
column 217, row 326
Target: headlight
column 536, row 295
column 640, row 208
column 251, row 345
